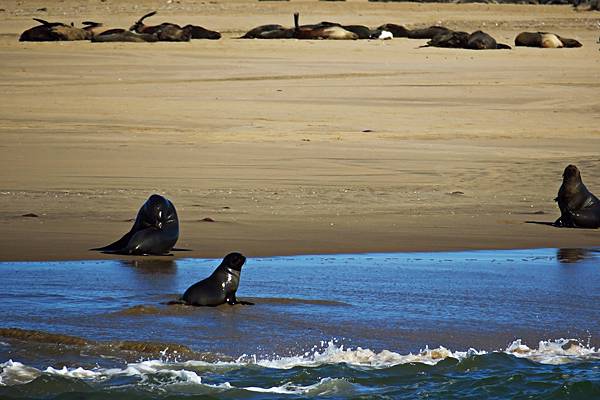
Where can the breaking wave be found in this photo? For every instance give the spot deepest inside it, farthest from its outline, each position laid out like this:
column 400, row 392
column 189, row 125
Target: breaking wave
column 327, row 369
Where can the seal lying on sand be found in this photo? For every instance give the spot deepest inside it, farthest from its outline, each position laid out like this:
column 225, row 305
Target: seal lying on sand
column 272, row 31
column 53, row 31
column 155, row 231
column 98, row 28
column 544, row 40
column 579, row 208
column 322, row 30
column 420, row 33
column 125, row 36
column 477, row 40
column 170, row 32
column 220, row 287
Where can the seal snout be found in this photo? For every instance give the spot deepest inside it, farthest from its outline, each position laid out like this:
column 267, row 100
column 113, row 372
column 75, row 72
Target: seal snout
column 571, row 171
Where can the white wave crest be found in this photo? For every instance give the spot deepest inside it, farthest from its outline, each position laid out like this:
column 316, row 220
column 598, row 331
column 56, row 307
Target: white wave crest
column 15, row 373
column 331, row 353
column 560, row 351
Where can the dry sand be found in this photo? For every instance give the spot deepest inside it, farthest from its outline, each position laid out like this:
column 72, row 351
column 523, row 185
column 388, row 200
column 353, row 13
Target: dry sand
column 295, row 146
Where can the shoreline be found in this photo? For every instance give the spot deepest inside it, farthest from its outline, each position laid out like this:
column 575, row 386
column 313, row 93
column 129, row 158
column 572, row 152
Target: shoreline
column 297, row 147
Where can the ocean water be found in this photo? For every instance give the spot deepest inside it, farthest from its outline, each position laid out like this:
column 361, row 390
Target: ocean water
column 463, row 325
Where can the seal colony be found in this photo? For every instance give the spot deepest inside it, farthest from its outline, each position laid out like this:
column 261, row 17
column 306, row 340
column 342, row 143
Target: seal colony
column 438, row 36
column 96, row 32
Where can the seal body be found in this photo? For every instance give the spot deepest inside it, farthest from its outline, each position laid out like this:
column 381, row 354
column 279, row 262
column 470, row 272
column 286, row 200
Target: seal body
column 155, row 230
column 272, row 31
column 322, row 30
column 579, row 208
column 544, row 40
column 451, row 39
column 124, row 36
column 220, row 287
column 427, row 33
column 397, row 31
column 53, row 31
column 199, row 32
column 480, row 40
column 477, row 40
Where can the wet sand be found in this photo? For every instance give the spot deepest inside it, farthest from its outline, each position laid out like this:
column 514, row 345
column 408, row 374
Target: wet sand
column 295, row 147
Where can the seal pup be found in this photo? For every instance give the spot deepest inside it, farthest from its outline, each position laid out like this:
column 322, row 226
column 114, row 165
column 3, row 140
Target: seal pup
column 544, row 40
column 220, row 287
column 52, row 32
column 155, row 230
column 579, row 208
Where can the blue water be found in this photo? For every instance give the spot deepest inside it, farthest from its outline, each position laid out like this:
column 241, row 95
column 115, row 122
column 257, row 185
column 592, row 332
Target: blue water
column 485, row 324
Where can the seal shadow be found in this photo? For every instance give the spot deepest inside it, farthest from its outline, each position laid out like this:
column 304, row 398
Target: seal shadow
column 542, row 223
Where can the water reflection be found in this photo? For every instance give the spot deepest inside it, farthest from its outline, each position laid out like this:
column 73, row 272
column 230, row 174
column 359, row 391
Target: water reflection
column 151, row 266
column 570, row 256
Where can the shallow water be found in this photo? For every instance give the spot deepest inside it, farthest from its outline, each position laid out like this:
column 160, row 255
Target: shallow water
column 397, row 325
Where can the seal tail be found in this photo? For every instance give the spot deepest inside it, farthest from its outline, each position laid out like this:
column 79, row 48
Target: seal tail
column 175, row 302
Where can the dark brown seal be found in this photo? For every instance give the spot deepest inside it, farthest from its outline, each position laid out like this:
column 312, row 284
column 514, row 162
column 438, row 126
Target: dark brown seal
column 53, row 31
column 579, row 208
column 170, row 32
column 322, row 30
column 544, row 40
column 155, row 230
column 220, row 287
column 477, row 40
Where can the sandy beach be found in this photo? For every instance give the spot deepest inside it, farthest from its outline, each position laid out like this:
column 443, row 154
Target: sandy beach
column 295, row 147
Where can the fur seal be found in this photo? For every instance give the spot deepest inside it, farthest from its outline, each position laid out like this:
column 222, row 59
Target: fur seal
column 52, row 32
column 124, row 36
column 419, row 33
column 480, row 40
column 155, row 231
column 544, row 40
column 272, row 31
column 477, row 40
column 397, row 31
column 323, row 30
column 579, row 208
column 220, row 287
column 170, row 32
column 427, row 33
column 452, row 39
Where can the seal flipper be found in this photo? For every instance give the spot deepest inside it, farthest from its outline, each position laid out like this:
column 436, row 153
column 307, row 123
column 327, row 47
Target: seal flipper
column 232, row 300
column 117, row 246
